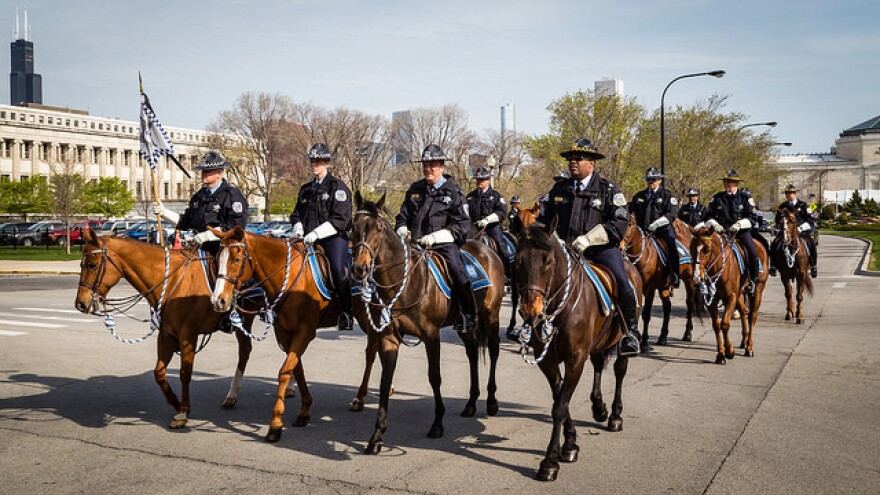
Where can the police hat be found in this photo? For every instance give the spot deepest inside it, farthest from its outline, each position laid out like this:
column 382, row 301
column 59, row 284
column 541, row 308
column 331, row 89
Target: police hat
column 564, row 175
column 790, row 189
column 693, row 191
column 515, row 199
column 482, row 173
column 433, row 153
column 731, row 175
column 653, row 173
column 584, row 148
column 320, row 152
column 212, row 160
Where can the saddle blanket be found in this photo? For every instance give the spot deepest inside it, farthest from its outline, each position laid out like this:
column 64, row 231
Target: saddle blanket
column 476, row 274
column 315, row 268
column 684, row 256
column 509, row 247
column 604, row 297
column 740, row 259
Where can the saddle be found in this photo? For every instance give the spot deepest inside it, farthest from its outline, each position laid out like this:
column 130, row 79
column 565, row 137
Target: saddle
column 603, row 282
column 742, row 257
column 475, row 272
column 509, row 248
column 320, row 268
column 684, row 256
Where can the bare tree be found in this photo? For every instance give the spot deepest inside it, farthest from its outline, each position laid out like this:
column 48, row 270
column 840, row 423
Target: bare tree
column 66, row 185
column 510, row 155
column 446, row 127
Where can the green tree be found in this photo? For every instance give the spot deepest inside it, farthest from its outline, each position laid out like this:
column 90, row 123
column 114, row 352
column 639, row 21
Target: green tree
column 285, row 198
column 25, row 196
column 108, row 196
column 66, row 190
column 854, row 206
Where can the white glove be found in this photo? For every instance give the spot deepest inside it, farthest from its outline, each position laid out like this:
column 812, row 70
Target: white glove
column 403, row 232
column 715, row 225
column 595, row 237
column 322, row 231
column 205, row 236
column 699, row 226
column 743, row 223
column 171, row 216
column 656, row 224
column 297, row 230
column 439, row 237
column 804, row 227
column 493, row 218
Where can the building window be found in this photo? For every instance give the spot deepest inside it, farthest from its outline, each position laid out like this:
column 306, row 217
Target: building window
column 5, row 178
column 7, row 147
column 2, row 115
column 179, row 190
column 24, row 177
column 76, row 123
column 139, row 188
column 49, row 120
column 110, row 157
column 21, row 117
column 165, row 189
column 80, row 154
column 41, row 119
column 100, row 127
column 67, row 122
column 11, row 115
column 26, row 150
column 30, row 118
column 115, row 128
column 93, row 181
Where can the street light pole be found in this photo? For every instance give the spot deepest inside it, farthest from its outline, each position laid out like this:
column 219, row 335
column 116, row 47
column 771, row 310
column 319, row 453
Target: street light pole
column 714, row 73
column 769, row 124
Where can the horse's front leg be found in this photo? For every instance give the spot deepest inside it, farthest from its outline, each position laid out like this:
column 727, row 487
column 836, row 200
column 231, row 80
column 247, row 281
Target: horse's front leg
column 388, row 357
column 549, row 467
column 667, row 312
column 245, row 346
column 514, row 303
column 562, row 420
column 615, row 423
column 722, row 336
column 187, row 359
column 492, row 386
column 753, row 319
column 470, row 349
column 295, row 346
column 744, row 310
column 165, row 347
column 799, row 318
column 600, row 410
column 646, row 319
column 689, row 292
column 432, row 351
column 789, row 303
column 370, row 351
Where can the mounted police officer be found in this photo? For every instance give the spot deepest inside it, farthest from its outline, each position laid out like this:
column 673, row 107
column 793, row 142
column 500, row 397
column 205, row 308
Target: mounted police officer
column 806, row 225
column 692, row 212
column 435, row 214
column 655, row 209
column 515, row 206
column 323, row 216
column 217, row 204
column 487, row 210
column 733, row 210
column 592, row 218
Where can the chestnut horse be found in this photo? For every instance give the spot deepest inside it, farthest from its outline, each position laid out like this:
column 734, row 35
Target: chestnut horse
column 717, row 274
column 791, row 258
column 296, row 309
column 551, row 280
column 403, row 299
column 641, row 249
column 182, row 296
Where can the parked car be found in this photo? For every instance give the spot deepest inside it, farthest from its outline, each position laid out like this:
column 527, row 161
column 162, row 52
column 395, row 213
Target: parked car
column 59, row 236
column 275, row 229
column 766, row 219
column 142, row 231
column 254, row 228
column 116, row 227
column 15, row 233
column 42, row 231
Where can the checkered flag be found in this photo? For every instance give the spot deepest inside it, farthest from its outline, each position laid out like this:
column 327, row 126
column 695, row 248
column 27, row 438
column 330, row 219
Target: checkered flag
column 154, row 140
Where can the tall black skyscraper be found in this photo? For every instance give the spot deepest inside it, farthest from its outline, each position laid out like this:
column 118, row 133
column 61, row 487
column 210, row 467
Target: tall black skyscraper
column 24, row 85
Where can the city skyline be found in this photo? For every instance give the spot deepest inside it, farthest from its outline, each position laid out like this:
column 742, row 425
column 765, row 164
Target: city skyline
column 810, row 68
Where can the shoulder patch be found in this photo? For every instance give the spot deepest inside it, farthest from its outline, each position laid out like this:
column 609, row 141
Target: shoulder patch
column 673, row 201
column 619, row 199
column 502, row 200
column 752, row 201
column 340, row 195
column 237, row 207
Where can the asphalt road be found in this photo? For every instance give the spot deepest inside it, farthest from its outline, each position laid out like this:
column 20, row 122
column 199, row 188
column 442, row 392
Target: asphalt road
column 80, row 412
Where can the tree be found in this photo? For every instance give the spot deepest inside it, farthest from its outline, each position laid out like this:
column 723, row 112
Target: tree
column 510, row 155
column 854, row 206
column 25, row 196
column 66, row 186
column 108, row 196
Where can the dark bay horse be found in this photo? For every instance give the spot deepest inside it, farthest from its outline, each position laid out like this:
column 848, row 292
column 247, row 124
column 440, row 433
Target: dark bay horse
column 717, row 274
column 792, row 259
column 480, row 235
column 404, row 300
column 551, row 280
column 182, row 295
column 298, row 309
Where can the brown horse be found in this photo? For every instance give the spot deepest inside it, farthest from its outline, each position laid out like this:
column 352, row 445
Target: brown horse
column 480, row 235
column 296, row 309
column 403, row 299
column 791, row 258
column 718, row 276
column 177, row 286
column 551, row 280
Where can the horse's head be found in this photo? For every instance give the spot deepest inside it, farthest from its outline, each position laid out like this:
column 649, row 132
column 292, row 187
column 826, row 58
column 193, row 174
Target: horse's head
column 704, row 247
column 98, row 273
column 233, row 267
column 787, row 228
column 631, row 235
column 538, row 266
column 369, row 230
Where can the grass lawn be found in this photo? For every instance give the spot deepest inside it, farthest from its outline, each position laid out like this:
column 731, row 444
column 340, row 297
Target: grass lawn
column 872, row 235
column 54, row 253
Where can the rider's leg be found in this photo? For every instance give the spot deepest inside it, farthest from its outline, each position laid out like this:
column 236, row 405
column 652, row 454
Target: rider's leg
column 461, row 285
column 498, row 236
column 668, row 234
column 814, row 254
column 336, row 250
column 612, row 259
column 748, row 243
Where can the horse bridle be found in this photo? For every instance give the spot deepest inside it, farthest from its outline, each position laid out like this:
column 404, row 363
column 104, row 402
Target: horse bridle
column 101, row 271
column 234, row 282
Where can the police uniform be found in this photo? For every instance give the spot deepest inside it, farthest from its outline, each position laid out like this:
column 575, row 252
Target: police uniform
column 579, row 210
column 484, row 204
column 655, row 211
column 324, row 208
column 729, row 209
column 428, row 209
column 692, row 213
column 802, row 216
column 514, row 211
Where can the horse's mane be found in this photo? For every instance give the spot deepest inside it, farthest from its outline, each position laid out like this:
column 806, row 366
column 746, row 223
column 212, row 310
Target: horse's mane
column 537, row 235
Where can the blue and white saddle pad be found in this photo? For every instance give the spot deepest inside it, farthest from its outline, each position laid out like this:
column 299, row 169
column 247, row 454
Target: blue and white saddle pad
column 604, row 297
column 684, row 256
column 476, row 274
column 741, row 261
column 509, row 247
column 315, row 267
column 203, row 257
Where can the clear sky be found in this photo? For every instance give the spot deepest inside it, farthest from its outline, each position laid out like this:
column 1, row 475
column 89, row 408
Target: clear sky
column 813, row 66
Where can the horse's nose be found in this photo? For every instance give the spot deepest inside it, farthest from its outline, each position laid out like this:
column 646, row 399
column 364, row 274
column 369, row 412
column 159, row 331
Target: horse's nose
column 81, row 307
column 359, row 271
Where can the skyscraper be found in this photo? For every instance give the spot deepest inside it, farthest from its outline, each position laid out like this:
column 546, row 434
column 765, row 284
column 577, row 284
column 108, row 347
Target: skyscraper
column 608, row 86
column 24, row 85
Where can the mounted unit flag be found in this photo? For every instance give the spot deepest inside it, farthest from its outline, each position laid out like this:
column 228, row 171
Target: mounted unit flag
column 154, row 140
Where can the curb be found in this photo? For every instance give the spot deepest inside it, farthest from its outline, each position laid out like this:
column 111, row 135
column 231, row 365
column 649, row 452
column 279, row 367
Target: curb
column 862, row 268
column 37, row 272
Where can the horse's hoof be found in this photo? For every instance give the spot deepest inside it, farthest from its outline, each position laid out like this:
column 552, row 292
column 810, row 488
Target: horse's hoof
column 436, row 431
column 373, row 448
column 600, row 412
column 228, row 403
column 301, row 420
column 800, row 321
column 357, row 405
column 289, row 393
column 512, row 335
column 687, row 337
column 570, row 455
column 787, row 316
column 492, row 407
column 177, row 424
column 548, row 471
column 661, row 340
column 615, row 424
column 644, row 348
column 719, row 359
column 742, row 345
column 274, row 435
column 729, row 354
column 749, row 353
column 469, row 411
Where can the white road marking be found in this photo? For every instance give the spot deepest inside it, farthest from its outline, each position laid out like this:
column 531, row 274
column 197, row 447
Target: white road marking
column 839, row 285
column 10, row 333
column 41, row 317
column 15, row 323
column 50, row 310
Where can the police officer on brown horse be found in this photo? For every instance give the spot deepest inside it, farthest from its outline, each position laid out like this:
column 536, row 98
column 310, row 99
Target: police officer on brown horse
column 322, row 216
column 806, row 225
column 435, row 214
column 487, row 210
column 592, row 217
column 692, row 212
column 655, row 209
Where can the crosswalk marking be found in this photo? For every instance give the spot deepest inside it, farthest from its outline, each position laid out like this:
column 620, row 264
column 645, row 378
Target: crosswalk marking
column 42, row 317
column 50, row 310
column 838, row 285
column 10, row 333
column 15, row 323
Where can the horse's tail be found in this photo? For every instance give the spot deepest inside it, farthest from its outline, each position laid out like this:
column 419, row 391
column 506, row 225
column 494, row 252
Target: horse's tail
column 808, row 284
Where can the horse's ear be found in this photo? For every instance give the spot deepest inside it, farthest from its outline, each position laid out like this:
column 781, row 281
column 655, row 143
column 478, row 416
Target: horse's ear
column 535, row 209
column 90, row 236
column 381, row 203
column 358, row 199
column 238, row 233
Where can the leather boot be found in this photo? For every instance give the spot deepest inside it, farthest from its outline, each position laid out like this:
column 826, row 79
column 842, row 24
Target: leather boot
column 814, row 258
column 629, row 343
column 344, row 295
column 468, row 304
column 753, row 276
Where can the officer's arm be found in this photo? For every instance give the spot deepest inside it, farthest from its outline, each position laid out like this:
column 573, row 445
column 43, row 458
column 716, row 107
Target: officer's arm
column 672, row 211
column 616, row 215
column 185, row 222
column 295, row 215
column 500, row 207
column 406, row 211
column 458, row 221
column 236, row 215
column 340, row 209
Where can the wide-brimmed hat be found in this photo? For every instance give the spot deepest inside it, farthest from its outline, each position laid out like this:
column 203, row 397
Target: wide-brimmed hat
column 515, row 199
column 790, row 189
column 212, row 160
column 433, row 153
column 482, row 173
column 731, row 175
column 653, row 173
column 693, row 192
column 320, row 152
column 582, row 147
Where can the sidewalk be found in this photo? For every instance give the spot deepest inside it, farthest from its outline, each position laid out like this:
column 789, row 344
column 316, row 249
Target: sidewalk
column 10, row 267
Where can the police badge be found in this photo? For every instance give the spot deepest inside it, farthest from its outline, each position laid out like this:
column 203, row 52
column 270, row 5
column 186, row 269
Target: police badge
column 215, row 207
column 446, row 200
column 325, row 197
column 596, row 203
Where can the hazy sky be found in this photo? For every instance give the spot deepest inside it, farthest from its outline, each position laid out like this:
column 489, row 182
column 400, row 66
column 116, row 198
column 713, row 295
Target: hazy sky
column 813, row 66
